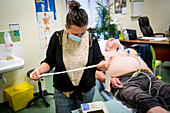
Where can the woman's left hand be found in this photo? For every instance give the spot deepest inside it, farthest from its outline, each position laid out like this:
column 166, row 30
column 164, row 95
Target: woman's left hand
column 104, row 64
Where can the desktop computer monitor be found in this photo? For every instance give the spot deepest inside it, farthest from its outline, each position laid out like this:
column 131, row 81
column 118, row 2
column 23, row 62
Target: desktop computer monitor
column 132, row 34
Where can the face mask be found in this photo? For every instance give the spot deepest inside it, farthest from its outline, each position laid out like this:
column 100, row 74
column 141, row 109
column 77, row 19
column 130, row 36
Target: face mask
column 76, row 38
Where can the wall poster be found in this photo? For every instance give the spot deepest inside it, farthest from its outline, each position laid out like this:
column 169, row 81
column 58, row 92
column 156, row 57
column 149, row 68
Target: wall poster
column 120, row 6
column 46, row 27
column 46, row 6
column 46, row 14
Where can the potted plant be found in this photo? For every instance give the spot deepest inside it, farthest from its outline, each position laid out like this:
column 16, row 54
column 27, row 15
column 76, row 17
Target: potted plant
column 104, row 26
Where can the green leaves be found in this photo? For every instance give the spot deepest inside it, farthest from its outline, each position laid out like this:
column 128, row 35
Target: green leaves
column 103, row 25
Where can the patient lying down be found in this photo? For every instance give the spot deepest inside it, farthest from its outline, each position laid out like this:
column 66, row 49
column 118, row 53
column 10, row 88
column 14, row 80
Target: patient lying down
column 145, row 92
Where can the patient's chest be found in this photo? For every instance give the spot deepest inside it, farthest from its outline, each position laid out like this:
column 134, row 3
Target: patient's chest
column 122, row 63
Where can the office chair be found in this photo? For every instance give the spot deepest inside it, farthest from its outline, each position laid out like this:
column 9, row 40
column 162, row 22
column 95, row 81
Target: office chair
column 155, row 63
column 41, row 93
column 148, row 54
column 146, row 28
column 145, row 53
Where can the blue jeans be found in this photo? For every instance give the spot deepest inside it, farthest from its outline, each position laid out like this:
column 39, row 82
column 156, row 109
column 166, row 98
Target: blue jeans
column 64, row 104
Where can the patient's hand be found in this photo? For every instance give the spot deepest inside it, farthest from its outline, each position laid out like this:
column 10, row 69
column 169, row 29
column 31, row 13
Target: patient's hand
column 116, row 83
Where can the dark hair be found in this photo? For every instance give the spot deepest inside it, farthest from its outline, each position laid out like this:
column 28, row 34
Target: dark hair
column 76, row 15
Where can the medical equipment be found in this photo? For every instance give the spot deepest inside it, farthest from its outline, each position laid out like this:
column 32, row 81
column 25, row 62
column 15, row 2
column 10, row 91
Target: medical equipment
column 124, row 47
column 94, row 107
column 56, row 73
column 135, row 74
column 138, row 72
column 108, row 79
column 128, row 51
column 117, row 48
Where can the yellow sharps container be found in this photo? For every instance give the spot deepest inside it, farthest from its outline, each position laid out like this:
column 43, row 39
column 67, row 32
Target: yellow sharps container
column 18, row 96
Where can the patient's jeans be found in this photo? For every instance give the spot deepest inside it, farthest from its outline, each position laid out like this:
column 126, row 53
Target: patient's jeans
column 64, row 104
column 135, row 92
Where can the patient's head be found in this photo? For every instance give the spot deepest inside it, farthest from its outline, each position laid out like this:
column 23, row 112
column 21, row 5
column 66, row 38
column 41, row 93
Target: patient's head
column 112, row 44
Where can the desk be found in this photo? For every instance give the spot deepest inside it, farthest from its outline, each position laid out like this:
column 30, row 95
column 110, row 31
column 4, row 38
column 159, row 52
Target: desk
column 162, row 48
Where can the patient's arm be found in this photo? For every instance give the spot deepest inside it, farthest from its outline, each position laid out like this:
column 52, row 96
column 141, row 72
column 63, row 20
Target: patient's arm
column 100, row 76
column 114, row 81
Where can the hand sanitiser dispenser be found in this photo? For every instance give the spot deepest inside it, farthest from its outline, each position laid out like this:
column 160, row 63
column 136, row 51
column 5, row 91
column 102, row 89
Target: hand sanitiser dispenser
column 8, row 41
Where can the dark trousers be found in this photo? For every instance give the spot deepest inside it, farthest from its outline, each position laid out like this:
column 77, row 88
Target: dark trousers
column 135, row 92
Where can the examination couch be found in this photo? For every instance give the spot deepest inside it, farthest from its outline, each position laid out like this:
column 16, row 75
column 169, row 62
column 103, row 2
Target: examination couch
column 106, row 95
column 109, row 96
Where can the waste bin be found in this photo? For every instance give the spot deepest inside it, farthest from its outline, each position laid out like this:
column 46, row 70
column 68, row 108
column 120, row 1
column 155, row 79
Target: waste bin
column 19, row 95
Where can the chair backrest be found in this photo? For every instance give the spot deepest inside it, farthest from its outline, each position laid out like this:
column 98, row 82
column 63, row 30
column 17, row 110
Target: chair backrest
column 146, row 53
column 154, row 57
column 29, row 72
column 145, row 27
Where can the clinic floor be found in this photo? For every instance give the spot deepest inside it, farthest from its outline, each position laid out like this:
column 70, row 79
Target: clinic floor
column 39, row 107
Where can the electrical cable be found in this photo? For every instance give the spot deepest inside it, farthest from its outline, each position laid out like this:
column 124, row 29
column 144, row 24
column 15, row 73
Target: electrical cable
column 135, row 74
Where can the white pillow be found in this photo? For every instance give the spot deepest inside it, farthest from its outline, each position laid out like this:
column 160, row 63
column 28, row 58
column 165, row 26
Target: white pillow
column 102, row 44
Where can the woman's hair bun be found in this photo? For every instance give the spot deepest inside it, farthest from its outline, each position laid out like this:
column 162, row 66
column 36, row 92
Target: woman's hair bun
column 74, row 5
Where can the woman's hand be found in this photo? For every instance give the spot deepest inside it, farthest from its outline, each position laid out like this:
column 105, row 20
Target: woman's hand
column 116, row 83
column 104, row 64
column 35, row 75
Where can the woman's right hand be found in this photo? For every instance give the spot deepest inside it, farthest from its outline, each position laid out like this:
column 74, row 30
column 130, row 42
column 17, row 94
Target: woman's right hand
column 35, row 75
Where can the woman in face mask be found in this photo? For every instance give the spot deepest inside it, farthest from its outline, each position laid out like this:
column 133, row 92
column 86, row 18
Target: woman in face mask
column 70, row 49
